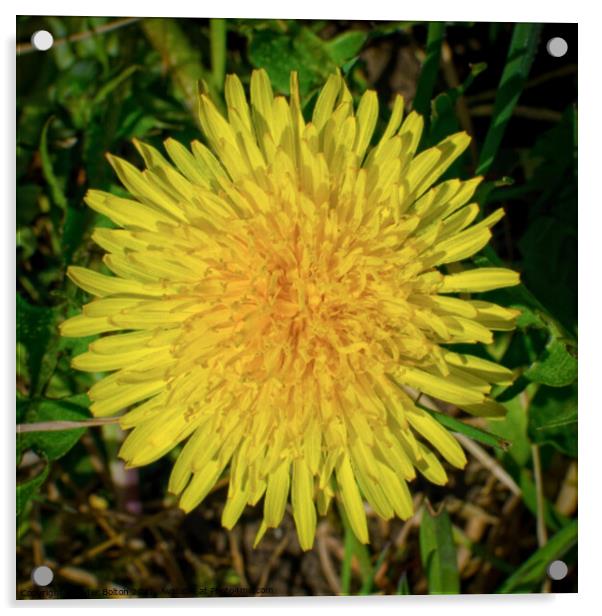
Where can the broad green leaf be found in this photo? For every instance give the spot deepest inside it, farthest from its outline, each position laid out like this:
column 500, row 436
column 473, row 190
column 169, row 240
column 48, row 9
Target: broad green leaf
column 523, row 47
column 533, row 571
column 553, row 418
column 76, row 223
column 556, row 367
column 303, row 51
column 553, row 364
column 27, row 489
column 36, row 330
column 549, row 249
column 438, row 553
column 345, row 46
column 279, row 54
column 513, row 428
column 54, row 444
column 274, row 53
column 528, row 318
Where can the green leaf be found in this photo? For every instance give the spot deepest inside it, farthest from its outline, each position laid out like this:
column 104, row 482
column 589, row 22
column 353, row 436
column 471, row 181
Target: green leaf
column 556, row 367
column 280, row 53
column 27, row 489
column 183, row 60
column 430, row 68
column 476, row 434
column 27, row 203
column 523, row 46
column 528, row 318
column 403, row 586
column 56, row 189
column 105, row 90
column 553, row 418
column 444, row 121
column 54, row 444
column 345, row 46
column 513, row 428
column 513, row 390
column 37, row 332
column 76, row 223
column 438, row 553
column 533, row 571
column 27, row 242
column 549, row 266
column 274, row 52
column 554, row 520
column 354, row 548
column 62, row 54
column 553, row 365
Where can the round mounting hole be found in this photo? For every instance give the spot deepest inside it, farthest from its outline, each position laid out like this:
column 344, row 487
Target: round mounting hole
column 557, row 47
column 557, row 570
column 42, row 40
column 42, row 576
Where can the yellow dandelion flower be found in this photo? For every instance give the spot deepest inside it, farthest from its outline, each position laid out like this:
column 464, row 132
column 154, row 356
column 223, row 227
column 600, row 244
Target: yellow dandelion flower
column 278, row 296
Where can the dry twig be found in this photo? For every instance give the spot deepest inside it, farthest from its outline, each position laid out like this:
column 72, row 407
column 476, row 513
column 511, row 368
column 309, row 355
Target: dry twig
column 492, row 465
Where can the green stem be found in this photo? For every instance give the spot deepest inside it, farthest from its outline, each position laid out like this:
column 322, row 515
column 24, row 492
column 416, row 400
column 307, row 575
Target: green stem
column 217, row 35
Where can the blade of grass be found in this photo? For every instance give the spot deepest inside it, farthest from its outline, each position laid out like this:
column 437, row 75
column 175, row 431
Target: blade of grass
column 54, row 184
column 428, row 74
column 438, row 552
column 403, row 586
column 114, row 83
column 354, row 548
column 476, row 434
column 533, row 570
column 554, row 520
column 521, row 53
column 217, row 36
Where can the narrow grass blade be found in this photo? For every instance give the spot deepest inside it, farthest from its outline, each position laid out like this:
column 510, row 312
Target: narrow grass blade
column 533, row 570
column 54, row 184
column 476, row 434
column 354, row 548
column 523, row 46
column 403, row 586
column 438, row 553
column 217, row 35
column 428, row 74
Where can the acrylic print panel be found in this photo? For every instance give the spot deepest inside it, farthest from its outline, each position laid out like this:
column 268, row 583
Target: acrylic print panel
column 296, row 308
